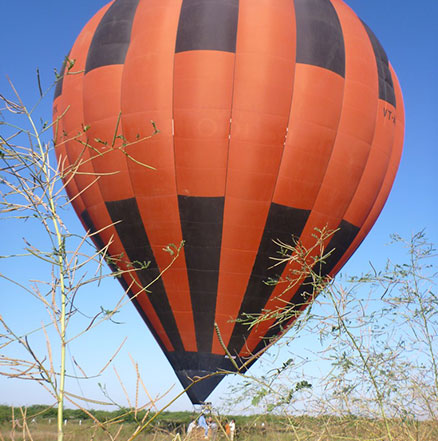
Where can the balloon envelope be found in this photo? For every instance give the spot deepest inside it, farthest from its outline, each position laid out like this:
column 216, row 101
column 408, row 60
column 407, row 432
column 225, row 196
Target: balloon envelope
column 274, row 117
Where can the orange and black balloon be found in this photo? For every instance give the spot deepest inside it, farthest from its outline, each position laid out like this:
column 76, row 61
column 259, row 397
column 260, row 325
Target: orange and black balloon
column 276, row 117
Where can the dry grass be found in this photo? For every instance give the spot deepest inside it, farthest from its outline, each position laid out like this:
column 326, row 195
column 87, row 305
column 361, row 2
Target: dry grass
column 300, row 429
column 76, row 432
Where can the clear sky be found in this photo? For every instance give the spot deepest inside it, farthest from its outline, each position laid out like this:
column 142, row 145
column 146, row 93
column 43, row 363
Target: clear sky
column 39, row 34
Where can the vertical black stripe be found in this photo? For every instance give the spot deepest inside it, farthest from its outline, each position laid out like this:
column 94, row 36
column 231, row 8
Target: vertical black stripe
column 338, row 244
column 100, row 245
column 283, row 223
column 201, row 224
column 208, row 25
column 133, row 236
column 142, row 314
column 111, row 40
column 386, row 85
column 320, row 40
column 60, row 80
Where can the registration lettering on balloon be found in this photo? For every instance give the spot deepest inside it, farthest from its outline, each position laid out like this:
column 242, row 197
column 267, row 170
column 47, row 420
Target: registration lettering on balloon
column 389, row 115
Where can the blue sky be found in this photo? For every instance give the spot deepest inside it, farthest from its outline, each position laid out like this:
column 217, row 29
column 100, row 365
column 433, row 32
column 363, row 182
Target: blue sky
column 39, row 34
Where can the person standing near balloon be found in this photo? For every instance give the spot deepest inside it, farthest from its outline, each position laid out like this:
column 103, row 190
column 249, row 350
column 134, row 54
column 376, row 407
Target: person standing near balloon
column 212, row 428
column 202, row 423
column 232, row 427
column 191, row 426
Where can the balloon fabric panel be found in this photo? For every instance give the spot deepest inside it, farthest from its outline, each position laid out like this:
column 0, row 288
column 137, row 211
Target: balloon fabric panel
column 320, row 41
column 112, row 37
column 262, row 96
column 386, row 84
column 209, row 25
column 274, row 118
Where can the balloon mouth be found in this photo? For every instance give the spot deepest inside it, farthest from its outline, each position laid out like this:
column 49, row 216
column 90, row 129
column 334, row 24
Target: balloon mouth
column 199, row 384
column 200, row 373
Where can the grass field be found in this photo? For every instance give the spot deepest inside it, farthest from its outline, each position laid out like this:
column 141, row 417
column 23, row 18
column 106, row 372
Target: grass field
column 299, row 429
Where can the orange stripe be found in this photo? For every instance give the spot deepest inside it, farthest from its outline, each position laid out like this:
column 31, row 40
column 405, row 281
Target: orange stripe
column 263, row 84
column 70, row 129
column 375, row 169
column 64, row 164
column 394, row 161
column 202, row 101
column 314, row 120
column 74, row 121
column 102, row 90
column 351, row 149
column 147, row 95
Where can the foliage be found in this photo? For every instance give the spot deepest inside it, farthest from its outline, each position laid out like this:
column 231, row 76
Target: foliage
column 32, row 192
column 250, row 428
column 378, row 344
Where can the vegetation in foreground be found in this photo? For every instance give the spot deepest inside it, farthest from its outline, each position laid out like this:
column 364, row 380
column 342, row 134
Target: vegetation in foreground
column 172, row 426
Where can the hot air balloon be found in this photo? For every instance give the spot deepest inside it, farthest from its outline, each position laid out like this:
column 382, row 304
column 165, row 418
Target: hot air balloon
column 274, row 118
